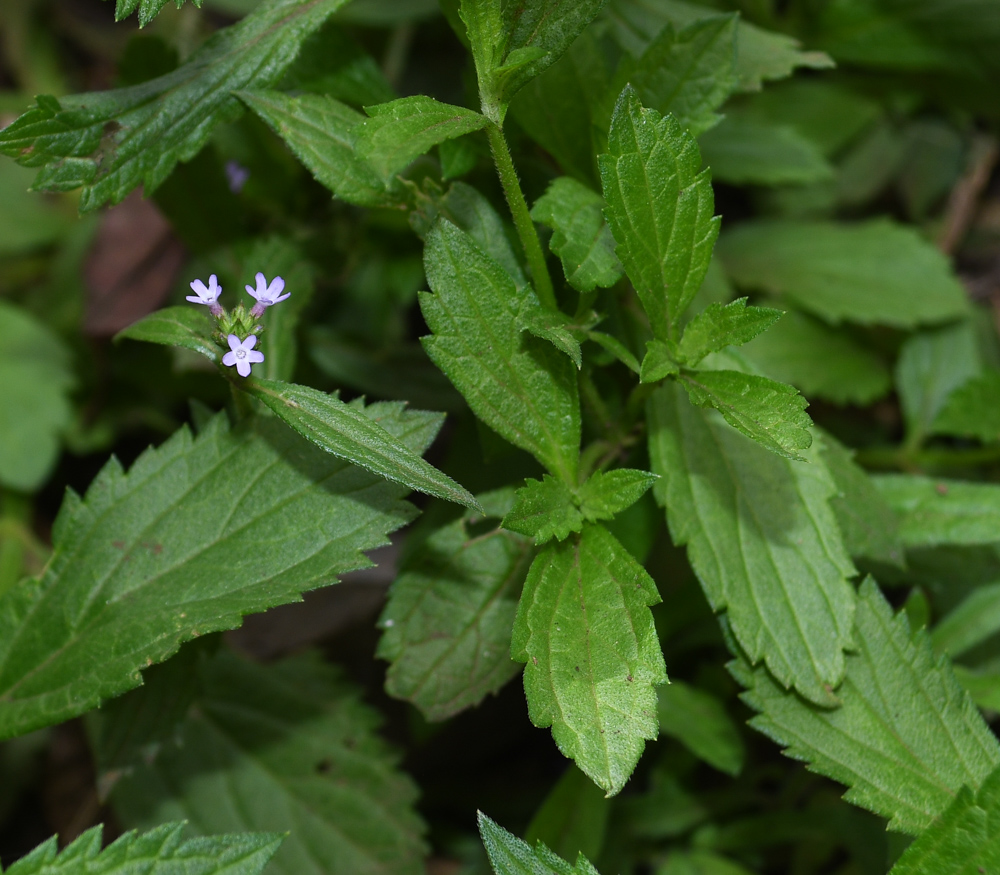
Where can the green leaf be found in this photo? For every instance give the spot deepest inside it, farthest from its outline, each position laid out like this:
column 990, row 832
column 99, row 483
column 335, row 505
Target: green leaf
column 964, row 839
column 114, row 141
column 659, row 209
column 932, row 364
column 573, row 819
column 744, row 151
column 544, row 509
column 290, row 747
column 762, row 539
column 906, row 737
column 688, row 73
column 322, row 132
column 938, row 511
column 608, row 493
column 520, row 387
column 873, row 272
column 699, row 721
column 972, row 622
column 700, row 863
column 552, row 326
column 399, row 131
column 199, row 532
column 157, row 852
column 148, row 9
column 510, row 856
column 772, row 414
column 820, row 361
column 188, row 327
column 617, row 349
column 659, row 362
column 972, row 409
column 446, row 627
column 722, row 325
column 593, row 659
column 345, row 431
column 580, row 236
column 35, row 380
column 869, row 526
column 761, row 55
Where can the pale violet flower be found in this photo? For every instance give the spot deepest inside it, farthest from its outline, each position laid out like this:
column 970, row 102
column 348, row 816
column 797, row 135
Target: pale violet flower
column 242, row 354
column 267, row 294
column 207, row 294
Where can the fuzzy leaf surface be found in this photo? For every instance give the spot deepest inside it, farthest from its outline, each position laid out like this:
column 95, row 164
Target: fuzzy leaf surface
column 148, row 9
column 699, row 721
column 157, row 852
column 511, row 856
column 198, row 533
column 772, row 414
column 289, row 747
column 544, row 509
column 964, row 840
column 906, row 737
column 722, row 325
column 446, row 627
column 660, row 209
column 399, row 131
column 580, row 236
column 592, row 656
column 875, row 272
column 35, row 379
column 972, row 410
column 938, row 511
column 345, row 431
column 607, row 493
column 762, row 539
column 322, row 132
column 819, row 360
column 659, row 362
column 186, row 327
column 111, row 142
column 687, row 72
column 521, row 387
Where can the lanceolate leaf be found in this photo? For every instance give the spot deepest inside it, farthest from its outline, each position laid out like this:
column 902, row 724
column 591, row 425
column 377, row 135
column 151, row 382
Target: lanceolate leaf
column 447, row 624
column 511, row 856
column 580, row 236
column 698, row 720
column 607, row 493
column 660, row 207
column 722, row 325
column 186, row 327
column 322, row 133
column 762, row 539
column 289, row 747
column 964, row 839
column 938, row 511
column 875, row 272
column 161, row 851
column 114, row 141
column 520, row 386
column 199, row 532
column 345, row 431
column 972, row 410
column 544, row 509
column 906, row 737
column 401, row 130
column 148, row 9
column 592, row 657
column 773, row 414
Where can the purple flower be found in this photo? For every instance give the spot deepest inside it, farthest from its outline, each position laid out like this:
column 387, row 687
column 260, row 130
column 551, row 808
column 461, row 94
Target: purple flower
column 267, row 294
column 236, row 175
column 242, row 354
column 207, row 294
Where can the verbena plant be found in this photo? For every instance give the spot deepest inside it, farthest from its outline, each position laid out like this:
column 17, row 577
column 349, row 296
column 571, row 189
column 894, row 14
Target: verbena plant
column 535, row 250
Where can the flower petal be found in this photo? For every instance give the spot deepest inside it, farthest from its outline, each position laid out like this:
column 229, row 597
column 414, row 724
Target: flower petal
column 250, row 342
column 243, row 366
column 234, row 342
column 229, row 359
column 199, row 288
column 255, row 356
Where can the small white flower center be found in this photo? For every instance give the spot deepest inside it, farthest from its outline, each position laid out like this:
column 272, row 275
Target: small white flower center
column 241, row 353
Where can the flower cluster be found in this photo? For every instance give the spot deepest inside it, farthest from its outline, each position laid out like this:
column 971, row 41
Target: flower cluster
column 238, row 328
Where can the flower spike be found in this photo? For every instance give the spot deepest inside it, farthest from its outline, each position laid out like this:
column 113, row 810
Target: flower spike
column 266, row 294
column 207, row 294
column 242, row 354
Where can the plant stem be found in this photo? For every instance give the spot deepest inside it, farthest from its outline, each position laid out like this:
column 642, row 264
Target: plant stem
column 241, row 402
column 522, row 218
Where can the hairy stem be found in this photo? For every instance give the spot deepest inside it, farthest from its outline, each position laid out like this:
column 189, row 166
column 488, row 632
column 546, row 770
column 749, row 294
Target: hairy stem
column 522, row 218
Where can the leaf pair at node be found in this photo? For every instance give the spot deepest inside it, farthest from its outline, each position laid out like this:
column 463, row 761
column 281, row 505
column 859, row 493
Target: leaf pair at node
column 548, row 508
